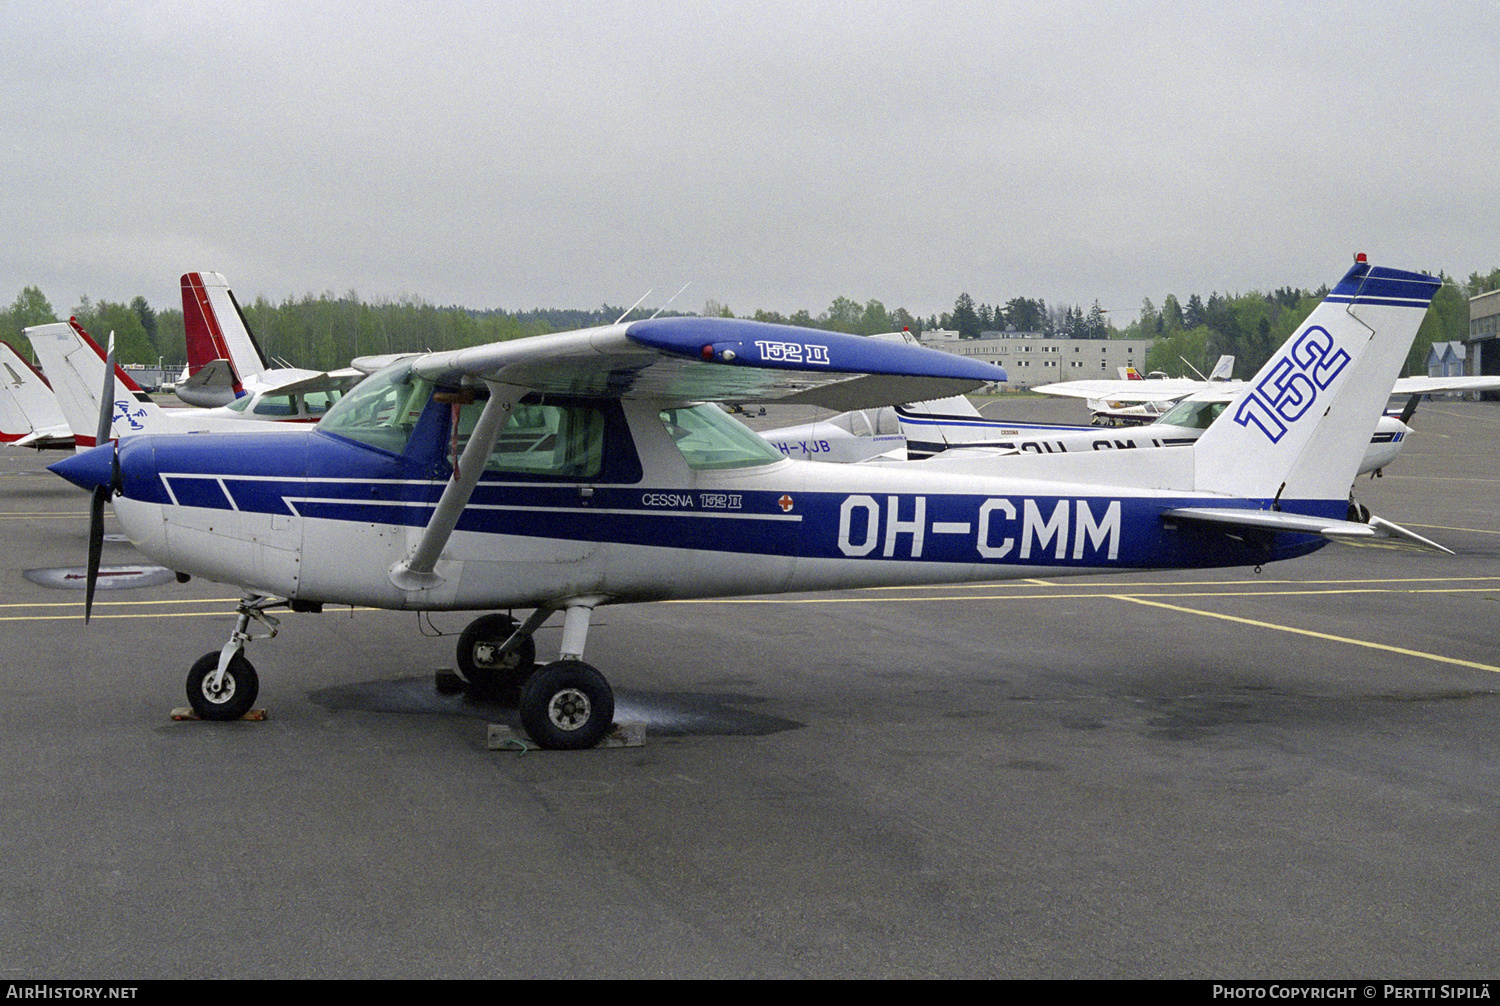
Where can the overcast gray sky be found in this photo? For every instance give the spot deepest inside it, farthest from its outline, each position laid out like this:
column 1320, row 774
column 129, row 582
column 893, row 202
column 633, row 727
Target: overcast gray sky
column 775, row 155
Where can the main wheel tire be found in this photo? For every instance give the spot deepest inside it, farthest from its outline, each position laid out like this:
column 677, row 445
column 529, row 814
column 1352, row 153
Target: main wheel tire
column 236, row 692
column 477, row 646
column 567, row 705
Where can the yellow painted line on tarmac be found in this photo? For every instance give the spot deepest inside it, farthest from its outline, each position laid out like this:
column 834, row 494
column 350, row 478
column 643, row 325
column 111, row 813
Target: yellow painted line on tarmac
column 1367, row 644
column 1445, row 527
column 1081, row 584
column 1442, row 478
column 1431, row 408
column 121, row 604
column 1080, row 596
column 78, row 615
column 47, row 611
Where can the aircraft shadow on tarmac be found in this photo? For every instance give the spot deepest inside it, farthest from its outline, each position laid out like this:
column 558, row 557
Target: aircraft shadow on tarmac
column 673, row 714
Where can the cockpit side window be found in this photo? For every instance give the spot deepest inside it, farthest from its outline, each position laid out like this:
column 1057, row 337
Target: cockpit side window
column 275, row 405
column 709, row 439
column 1193, row 415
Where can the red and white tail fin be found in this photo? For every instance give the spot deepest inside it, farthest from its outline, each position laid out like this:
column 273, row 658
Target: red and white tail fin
column 215, row 328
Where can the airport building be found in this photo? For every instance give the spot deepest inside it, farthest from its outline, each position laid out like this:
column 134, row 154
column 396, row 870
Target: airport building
column 1484, row 336
column 1030, row 358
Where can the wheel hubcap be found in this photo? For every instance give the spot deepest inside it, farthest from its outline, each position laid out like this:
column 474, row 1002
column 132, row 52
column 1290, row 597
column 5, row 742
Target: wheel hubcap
column 488, row 655
column 223, row 693
column 569, row 709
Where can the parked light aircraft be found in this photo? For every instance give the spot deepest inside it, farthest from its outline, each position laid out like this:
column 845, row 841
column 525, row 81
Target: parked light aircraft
column 226, row 368
column 1103, row 395
column 29, row 413
column 76, row 365
column 568, row 471
column 924, row 429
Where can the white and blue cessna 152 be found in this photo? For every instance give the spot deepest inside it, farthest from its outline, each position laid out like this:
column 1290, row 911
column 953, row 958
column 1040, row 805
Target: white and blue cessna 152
column 567, row 471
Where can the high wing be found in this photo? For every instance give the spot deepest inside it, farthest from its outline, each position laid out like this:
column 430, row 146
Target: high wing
column 674, row 360
column 77, row 365
column 1164, row 391
column 716, row 360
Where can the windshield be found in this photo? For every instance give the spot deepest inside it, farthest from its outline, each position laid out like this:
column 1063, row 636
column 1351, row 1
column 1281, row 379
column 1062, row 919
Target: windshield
column 381, row 410
column 1195, row 415
column 708, row 438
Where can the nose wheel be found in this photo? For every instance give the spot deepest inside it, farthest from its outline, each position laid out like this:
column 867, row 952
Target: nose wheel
column 222, row 697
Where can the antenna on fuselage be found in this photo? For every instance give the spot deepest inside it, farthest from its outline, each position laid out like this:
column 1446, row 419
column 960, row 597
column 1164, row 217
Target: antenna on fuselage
column 1192, row 368
column 670, row 299
column 632, row 307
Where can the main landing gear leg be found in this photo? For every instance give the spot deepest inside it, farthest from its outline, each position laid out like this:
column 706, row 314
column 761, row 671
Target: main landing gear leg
column 223, row 685
column 568, row 704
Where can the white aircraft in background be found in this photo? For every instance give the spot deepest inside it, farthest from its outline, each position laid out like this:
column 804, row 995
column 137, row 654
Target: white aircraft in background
column 567, row 471
column 226, row 367
column 1155, row 394
column 1105, row 397
column 925, row 429
column 75, row 364
column 29, row 413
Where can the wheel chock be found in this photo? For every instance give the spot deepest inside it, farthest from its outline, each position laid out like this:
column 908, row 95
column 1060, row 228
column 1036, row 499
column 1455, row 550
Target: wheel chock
column 186, row 713
column 501, row 737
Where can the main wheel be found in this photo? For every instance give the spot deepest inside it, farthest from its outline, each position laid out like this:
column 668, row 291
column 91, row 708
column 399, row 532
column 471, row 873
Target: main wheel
column 234, row 696
column 567, row 705
column 478, row 659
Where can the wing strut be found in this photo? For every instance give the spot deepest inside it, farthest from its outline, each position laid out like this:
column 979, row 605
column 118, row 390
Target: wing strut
column 416, row 572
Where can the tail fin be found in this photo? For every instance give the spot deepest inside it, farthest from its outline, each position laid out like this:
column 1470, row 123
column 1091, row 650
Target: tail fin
column 74, row 364
column 215, row 328
column 26, row 402
column 1298, row 431
column 1223, row 370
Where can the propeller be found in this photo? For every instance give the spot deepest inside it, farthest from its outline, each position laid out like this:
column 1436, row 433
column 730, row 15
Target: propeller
column 102, row 492
column 1411, row 409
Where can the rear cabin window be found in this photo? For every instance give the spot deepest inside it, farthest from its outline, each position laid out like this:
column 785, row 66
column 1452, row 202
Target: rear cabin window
column 562, row 441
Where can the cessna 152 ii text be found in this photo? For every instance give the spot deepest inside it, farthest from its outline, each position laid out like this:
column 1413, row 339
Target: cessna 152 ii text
column 568, row 471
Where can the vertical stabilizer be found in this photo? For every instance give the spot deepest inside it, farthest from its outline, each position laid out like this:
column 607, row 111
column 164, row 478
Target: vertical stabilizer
column 26, row 402
column 74, row 364
column 215, row 328
column 1303, row 423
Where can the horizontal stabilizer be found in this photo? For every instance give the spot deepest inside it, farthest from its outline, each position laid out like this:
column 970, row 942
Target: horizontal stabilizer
column 1377, row 532
column 1123, row 391
column 1438, row 385
column 213, row 374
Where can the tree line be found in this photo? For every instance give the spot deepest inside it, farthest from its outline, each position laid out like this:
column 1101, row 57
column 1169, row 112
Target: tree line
column 326, row 331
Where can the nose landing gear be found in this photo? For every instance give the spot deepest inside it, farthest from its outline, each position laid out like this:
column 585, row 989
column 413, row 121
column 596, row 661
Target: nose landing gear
column 222, row 685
